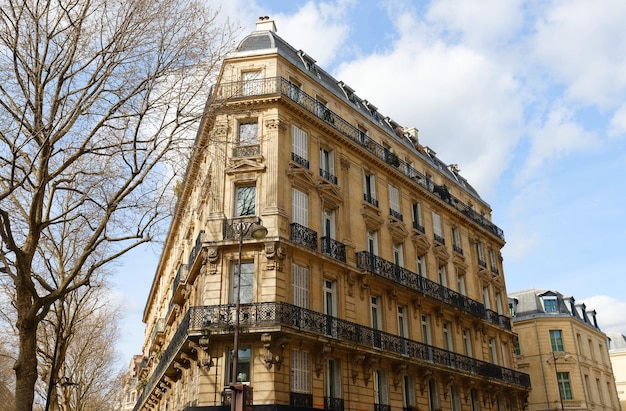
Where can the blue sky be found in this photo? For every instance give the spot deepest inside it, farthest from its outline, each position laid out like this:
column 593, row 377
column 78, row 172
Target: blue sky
column 528, row 97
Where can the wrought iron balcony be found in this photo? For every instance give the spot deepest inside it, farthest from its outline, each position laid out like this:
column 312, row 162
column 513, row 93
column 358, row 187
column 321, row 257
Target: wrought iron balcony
column 369, row 199
column 304, row 236
column 439, row 239
column 181, row 277
column 326, row 175
column 396, row 214
column 417, row 226
column 382, row 407
column 498, row 319
column 400, row 275
column 482, row 263
column 457, row 249
column 279, row 85
column 251, row 150
column 495, row 271
column 220, row 318
column 196, row 248
column 333, row 248
column 299, row 399
column 333, row 404
column 299, row 160
column 233, row 225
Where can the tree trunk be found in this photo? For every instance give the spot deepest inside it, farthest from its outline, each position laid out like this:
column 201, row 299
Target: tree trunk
column 26, row 364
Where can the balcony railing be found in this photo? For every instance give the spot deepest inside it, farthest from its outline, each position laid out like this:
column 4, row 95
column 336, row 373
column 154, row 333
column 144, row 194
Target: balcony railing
column 396, row 214
column 457, row 249
column 233, row 225
column 382, row 407
column 326, row 175
column 482, row 263
column 279, row 85
column 251, row 150
column 439, row 239
column 299, row 160
column 334, row 248
column 304, row 236
column 416, row 282
column 196, row 248
column 333, row 404
column 299, row 399
column 369, row 199
column 181, row 277
column 495, row 271
column 220, row 318
column 417, row 226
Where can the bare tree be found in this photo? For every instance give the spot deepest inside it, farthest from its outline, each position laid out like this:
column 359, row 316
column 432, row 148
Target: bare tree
column 94, row 97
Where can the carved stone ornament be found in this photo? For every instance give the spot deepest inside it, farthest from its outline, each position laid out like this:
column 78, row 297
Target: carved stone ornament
column 272, row 350
column 275, row 254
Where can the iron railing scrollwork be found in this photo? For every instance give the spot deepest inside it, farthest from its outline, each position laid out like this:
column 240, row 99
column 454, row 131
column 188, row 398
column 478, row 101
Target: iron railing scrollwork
column 251, row 150
column 299, row 399
column 233, row 225
column 304, row 236
column 370, row 199
column 327, row 175
column 333, row 248
column 386, row 269
column 333, row 404
column 299, row 160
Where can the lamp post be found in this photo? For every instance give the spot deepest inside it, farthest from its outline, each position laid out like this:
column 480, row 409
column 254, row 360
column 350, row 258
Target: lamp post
column 258, row 232
column 558, row 385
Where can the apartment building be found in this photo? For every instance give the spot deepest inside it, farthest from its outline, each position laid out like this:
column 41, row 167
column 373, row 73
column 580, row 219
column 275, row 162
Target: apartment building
column 564, row 351
column 617, row 354
column 322, row 258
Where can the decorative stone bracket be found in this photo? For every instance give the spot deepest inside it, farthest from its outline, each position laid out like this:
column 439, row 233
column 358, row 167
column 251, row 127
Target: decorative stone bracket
column 273, row 350
column 275, row 254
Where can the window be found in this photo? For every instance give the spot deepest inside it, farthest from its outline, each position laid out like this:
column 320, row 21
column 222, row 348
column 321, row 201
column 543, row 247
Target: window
column 362, row 133
column 372, row 242
column 299, row 146
column 433, row 395
column 492, row 262
column 398, row 255
column 380, row 387
column 376, row 321
column 443, row 275
column 460, row 283
column 565, row 388
column 295, row 90
column 456, row 240
column 437, row 228
column 505, row 354
column 300, row 372
column 475, row 399
column 251, row 83
column 328, row 223
column 245, row 201
column 518, row 348
column 333, row 379
column 556, row 340
column 330, row 306
column 416, row 209
column 321, row 109
column 480, row 255
column 550, row 305
column 421, row 266
column 447, row 336
column 426, row 337
column 248, row 133
column 408, row 388
column 403, row 327
column 327, row 165
column 467, row 343
column 499, row 304
column 299, row 207
column 486, row 299
column 394, row 203
column 493, row 354
column 245, row 283
column 300, row 286
column 455, row 398
column 243, row 365
column 369, row 189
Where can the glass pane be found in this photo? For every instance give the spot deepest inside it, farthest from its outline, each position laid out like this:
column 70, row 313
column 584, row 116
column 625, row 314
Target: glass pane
column 248, row 133
column 246, row 201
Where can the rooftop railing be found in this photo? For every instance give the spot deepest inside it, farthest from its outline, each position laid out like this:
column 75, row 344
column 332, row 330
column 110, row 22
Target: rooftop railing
column 280, row 85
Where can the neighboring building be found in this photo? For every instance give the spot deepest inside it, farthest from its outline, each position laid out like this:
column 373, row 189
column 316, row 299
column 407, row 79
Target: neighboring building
column 564, row 351
column 617, row 353
column 131, row 381
column 379, row 285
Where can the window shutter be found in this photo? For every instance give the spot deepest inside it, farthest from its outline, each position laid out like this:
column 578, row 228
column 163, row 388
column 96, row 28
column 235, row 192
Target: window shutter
column 299, row 140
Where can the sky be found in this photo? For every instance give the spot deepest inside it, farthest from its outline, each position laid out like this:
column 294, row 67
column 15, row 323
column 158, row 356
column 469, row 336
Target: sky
column 527, row 97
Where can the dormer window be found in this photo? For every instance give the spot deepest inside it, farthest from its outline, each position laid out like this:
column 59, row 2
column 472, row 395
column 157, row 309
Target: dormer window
column 550, row 304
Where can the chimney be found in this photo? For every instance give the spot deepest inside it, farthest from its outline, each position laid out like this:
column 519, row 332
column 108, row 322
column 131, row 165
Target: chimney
column 265, row 24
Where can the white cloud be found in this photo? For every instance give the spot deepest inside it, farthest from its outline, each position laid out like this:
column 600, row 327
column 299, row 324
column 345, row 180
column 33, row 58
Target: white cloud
column 582, row 44
column 558, row 136
column 617, row 127
column 610, row 312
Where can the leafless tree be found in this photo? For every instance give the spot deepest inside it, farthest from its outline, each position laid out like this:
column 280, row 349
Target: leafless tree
column 94, row 98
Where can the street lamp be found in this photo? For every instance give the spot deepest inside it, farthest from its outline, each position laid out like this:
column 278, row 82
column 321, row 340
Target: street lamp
column 258, row 232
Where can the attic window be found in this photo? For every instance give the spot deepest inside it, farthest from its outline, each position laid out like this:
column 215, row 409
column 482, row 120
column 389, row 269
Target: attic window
column 370, row 107
column 347, row 91
column 549, row 304
column 308, row 62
